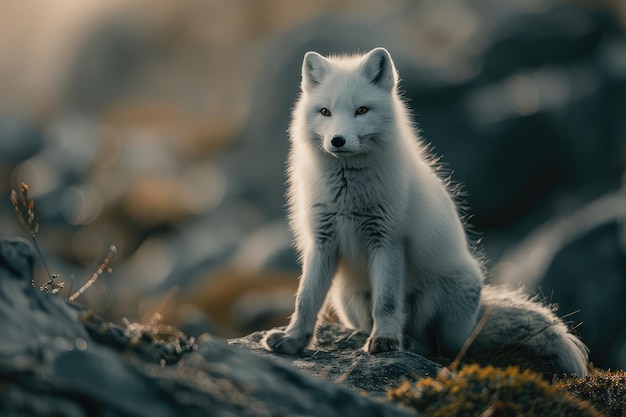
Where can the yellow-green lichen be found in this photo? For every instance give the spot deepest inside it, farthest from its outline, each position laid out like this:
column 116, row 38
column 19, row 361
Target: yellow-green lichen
column 475, row 390
column 606, row 390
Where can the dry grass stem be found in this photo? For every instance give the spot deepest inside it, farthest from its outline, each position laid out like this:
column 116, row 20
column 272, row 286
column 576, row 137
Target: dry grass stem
column 479, row 326
column 104, row 266
column 28, row 217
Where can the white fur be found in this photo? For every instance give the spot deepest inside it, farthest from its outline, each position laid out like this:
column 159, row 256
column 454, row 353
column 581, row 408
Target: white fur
column 379, row 232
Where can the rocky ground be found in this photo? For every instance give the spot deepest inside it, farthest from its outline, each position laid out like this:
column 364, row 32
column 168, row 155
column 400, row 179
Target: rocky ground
column 58, row 358
column 338, row 357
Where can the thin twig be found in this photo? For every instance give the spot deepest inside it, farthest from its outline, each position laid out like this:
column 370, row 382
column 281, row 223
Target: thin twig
column 104, row 266
column 29, row 218
column 43, row 261
column 71, row 285
column 479, row 326
column 570, row 314
column 576, row 326
column 167, row 298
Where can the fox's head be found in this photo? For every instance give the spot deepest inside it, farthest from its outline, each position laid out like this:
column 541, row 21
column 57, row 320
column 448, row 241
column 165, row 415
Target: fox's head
column 348, row 101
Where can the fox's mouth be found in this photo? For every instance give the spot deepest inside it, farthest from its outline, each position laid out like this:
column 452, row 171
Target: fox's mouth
column 337, row 153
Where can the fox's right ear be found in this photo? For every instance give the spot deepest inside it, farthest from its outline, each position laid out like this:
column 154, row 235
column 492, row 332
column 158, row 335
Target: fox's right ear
column 314, row 68
column 379, row 69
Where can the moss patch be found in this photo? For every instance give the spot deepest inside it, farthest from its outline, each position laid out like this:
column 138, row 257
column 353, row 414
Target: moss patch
column 493, row 391
column 606, row 390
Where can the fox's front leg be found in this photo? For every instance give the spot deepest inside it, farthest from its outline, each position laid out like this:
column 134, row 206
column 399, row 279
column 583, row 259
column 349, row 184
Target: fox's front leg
column 387, row 279
column 317, row 273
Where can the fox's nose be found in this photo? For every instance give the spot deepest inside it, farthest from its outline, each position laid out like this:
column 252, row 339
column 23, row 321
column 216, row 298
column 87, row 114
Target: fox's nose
column 338, row 141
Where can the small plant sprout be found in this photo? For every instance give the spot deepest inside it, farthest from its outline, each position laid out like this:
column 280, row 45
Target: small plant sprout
column 104, row 267
column 51, row 286
column 28, row 217
column 25, row 210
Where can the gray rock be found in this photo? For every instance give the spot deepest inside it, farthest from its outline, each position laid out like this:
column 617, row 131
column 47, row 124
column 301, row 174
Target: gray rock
column 50, row 358
column 579, row 262
column 57, row 358
column 337, row 356
column 19, row 138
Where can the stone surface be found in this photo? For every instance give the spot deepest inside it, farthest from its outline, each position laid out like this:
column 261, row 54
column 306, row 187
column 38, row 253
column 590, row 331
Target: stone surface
column 337, row 356
column 57, row 358
column 579, row 262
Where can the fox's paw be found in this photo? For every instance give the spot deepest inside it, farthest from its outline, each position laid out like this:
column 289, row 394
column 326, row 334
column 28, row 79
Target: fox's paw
column 379, row 344
column 280, row 342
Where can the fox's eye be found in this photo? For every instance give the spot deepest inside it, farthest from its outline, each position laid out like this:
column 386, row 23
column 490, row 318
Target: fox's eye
column 361, row 110
column 325, row 111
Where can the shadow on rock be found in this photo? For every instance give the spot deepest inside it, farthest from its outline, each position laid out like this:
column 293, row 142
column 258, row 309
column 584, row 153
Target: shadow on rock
column 57, row 358
column 337, row 356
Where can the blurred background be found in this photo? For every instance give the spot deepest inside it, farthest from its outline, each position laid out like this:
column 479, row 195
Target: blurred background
column 159, row 127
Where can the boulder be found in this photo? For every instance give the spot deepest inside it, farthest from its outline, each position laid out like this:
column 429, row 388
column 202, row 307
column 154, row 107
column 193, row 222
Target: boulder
column 58, row 358
column 337, row 356
column 578, row 262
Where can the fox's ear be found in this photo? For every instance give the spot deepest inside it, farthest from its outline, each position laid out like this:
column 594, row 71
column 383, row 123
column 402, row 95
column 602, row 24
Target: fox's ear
column 378, row 67
column 314, row 68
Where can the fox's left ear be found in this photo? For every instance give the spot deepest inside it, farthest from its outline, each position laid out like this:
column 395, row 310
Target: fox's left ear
column 314, row 68
column 378, row 67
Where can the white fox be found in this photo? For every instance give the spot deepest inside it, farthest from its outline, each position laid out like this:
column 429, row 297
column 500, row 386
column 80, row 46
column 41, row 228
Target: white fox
column 379, row 232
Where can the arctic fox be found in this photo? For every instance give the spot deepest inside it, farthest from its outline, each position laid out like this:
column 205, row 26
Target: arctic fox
column 379, row 233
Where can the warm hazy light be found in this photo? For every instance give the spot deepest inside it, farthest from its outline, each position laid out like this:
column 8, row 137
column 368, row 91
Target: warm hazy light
column 110, row 146
column 81, row 205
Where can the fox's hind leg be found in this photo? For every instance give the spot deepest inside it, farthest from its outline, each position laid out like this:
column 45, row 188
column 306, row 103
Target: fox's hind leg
column 459, row 310
column 440, row 320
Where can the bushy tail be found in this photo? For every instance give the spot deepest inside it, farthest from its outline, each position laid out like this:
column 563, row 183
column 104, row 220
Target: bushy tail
column 515, row 319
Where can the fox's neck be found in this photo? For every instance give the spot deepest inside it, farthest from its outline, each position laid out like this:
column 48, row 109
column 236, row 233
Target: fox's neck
column 381, row 158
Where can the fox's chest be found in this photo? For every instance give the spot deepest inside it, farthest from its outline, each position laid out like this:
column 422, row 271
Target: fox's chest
column 352, row 214
column 350, row 188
